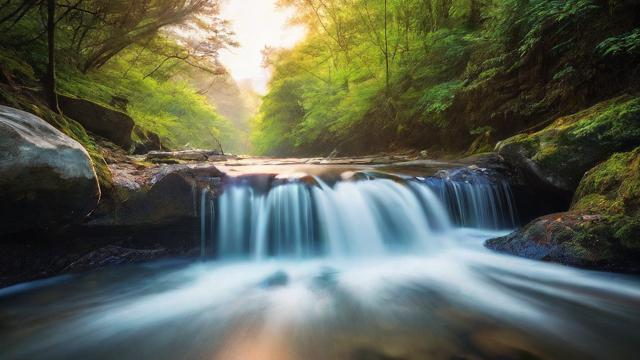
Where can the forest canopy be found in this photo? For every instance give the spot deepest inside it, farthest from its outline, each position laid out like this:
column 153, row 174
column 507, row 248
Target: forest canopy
column 147, row 52
column 452, row 76
column 394, row 74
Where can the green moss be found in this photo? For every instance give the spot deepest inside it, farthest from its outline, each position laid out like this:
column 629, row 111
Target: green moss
column 612, row 187
column 598, row 204
column 616, row 124
column 14, row 65
column 627, row 232
column 571, row 145
column 529, row 143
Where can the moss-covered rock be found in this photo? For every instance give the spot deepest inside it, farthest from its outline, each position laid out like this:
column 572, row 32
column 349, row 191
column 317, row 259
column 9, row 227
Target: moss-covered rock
column 152, row 195
column 602, row 228
column 572, row 238
column 561, row 153
column 612, row 187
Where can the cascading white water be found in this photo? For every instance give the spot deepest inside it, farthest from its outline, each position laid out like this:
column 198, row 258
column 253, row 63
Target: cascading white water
column 462, row 302
column 372, row 217
column 476, row 203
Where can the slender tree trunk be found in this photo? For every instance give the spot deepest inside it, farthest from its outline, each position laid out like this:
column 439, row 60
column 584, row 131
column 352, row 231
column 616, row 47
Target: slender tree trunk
column 474, row 14
column 386, row 49
column 49, row 80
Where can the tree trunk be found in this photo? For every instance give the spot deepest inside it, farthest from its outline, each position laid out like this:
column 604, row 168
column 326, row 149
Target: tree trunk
column 49, row 81
column 386, row 49
column 474, row 14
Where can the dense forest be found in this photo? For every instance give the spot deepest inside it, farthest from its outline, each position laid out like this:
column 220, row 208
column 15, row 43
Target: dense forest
column 449, row 76
column 452, row 75
column 143, row 53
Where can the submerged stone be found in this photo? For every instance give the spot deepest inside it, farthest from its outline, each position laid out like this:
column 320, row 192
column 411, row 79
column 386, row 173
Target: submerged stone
column 277, row 279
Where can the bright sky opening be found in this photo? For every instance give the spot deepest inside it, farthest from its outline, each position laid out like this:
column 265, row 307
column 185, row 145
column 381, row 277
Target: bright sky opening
column 257, row 23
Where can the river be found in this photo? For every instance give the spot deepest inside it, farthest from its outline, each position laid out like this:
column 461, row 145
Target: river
column 336, row 264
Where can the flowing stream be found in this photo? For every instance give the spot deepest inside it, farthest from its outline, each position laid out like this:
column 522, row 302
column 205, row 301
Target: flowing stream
column 305, row 268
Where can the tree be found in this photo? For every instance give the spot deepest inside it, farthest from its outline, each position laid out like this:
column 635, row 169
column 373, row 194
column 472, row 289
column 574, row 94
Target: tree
column 112, row 27
column 49, row 81
column 386, row 47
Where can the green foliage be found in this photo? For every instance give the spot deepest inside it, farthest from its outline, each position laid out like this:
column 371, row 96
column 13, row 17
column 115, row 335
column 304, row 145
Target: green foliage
column 171, row 108
column 394, row 72
column 376, row 75
column 543, row 13
column 342, row 86
column 143, row 67
column 437, row 99
column 564, row 73
column 13, row 65
column 625, row 44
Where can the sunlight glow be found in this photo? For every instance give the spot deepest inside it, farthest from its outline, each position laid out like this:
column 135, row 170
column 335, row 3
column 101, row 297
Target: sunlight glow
column 257, row 23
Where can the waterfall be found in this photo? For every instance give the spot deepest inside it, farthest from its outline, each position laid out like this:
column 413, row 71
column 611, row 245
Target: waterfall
column 203, row 222
column 476, row 203
column 299, row 219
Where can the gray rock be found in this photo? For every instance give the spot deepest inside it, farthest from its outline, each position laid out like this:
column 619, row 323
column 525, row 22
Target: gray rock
column 185, row 155
column 110, row 124
column 145, row 141
column 46, row 178
column 154, row 197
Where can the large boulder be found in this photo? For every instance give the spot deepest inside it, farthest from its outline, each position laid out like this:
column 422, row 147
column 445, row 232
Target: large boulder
column 602, row 228
column 46, row 178
column 560, row 154
column 108, row 123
